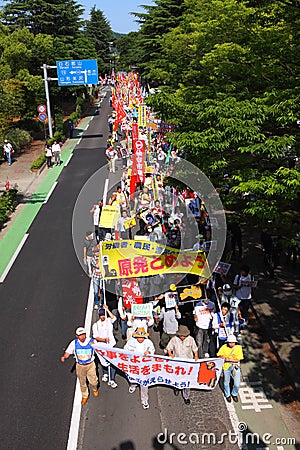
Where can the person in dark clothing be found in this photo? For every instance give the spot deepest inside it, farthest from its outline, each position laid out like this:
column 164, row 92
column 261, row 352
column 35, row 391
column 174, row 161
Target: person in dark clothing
column 236, row 237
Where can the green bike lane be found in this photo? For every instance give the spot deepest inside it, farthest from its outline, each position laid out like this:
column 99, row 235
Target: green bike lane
column 16, row 235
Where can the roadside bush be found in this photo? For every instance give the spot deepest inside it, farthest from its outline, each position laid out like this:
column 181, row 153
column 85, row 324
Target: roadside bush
column 58, row 137
column 8, row 203
column 17, row 137
column 37, row 163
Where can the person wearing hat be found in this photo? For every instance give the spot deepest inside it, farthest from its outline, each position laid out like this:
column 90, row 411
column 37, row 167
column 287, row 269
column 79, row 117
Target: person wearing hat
column 140, row 344
column 232, row 354
column 8, row 151
column 200, row 244
column 183, row 346
column 103, row 332
column 83, row 353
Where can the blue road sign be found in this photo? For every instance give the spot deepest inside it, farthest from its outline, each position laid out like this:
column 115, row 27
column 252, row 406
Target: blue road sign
column 42, row 117
column 79, row 71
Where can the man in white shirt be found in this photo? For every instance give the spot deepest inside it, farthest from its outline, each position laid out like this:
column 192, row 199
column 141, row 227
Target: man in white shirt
column 96, row 211
column 85, row 365
column 140, row 344
column 103, row 332
column 203, row 314
column 8, row 151
column 56, row 150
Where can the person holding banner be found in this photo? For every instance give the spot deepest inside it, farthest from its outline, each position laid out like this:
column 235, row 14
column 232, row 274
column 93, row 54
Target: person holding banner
column 103, row 332
column 223, row 326
column 183, row 346
column 140, row 344
column 232, row 354
column 203, row 314
column 83, row 353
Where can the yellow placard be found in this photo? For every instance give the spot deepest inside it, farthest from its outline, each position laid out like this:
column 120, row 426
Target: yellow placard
column 109, row 216
column 142, row 116
column 129, row 223
column 133, row 258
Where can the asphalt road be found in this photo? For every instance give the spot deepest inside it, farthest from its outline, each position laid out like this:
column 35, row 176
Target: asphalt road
column 43, row 300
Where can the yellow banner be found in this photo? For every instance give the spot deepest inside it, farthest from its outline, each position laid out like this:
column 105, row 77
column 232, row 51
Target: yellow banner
column 130, row 258
column 142, row 116
column 109, row 216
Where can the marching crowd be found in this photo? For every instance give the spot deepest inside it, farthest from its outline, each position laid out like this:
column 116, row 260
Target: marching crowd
column 200, row 328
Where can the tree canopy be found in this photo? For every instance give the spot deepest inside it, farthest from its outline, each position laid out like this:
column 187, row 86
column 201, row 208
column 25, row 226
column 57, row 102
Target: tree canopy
column 228, row 72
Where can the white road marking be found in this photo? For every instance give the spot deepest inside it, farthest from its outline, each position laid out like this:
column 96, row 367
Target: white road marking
column 252, row 396
column 235, row 424
column 79, row 140
column 50, row 192
column 14, row 257
column 87, row 126
column 76, row 412
column 68, row 160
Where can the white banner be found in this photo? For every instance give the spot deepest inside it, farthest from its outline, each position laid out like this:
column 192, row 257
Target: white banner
column 156, row 369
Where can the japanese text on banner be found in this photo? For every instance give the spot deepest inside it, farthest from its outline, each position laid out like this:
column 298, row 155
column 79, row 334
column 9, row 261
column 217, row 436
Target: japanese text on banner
column 143, row 258
column 153, row 369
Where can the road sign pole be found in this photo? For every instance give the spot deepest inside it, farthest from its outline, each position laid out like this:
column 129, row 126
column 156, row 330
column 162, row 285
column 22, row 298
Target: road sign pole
column 48, row 100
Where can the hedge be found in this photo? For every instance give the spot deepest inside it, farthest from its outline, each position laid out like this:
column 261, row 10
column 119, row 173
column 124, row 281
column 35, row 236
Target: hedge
column 37, row 163
column 8, row 203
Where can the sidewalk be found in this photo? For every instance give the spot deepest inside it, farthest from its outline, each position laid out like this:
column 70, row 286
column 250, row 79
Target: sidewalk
column 35, row 188
column 269, row 394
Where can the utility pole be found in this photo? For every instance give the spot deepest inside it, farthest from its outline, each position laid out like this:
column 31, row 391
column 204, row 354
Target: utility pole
column 46, row 79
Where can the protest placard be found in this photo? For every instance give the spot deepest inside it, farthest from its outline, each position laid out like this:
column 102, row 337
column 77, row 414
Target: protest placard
column 109, row 216
column 222, row 268
column 142, row 310
column 170, row 299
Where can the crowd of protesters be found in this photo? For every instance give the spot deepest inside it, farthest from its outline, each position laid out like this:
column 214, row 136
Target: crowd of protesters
column 177, row 218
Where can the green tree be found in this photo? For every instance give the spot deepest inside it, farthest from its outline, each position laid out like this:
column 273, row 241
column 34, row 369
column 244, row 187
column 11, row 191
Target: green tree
column 98, row 30
column 156, row 21
column 60, row 18
column 230, row 72
column 129, row 49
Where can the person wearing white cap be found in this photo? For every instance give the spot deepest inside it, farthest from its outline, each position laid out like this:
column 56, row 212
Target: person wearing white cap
column 8, row 151
column 232, row 354
column 83, row 353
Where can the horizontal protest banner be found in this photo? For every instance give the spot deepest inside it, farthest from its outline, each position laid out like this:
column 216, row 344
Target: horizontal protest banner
column 128, row 258
column 151, row 370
